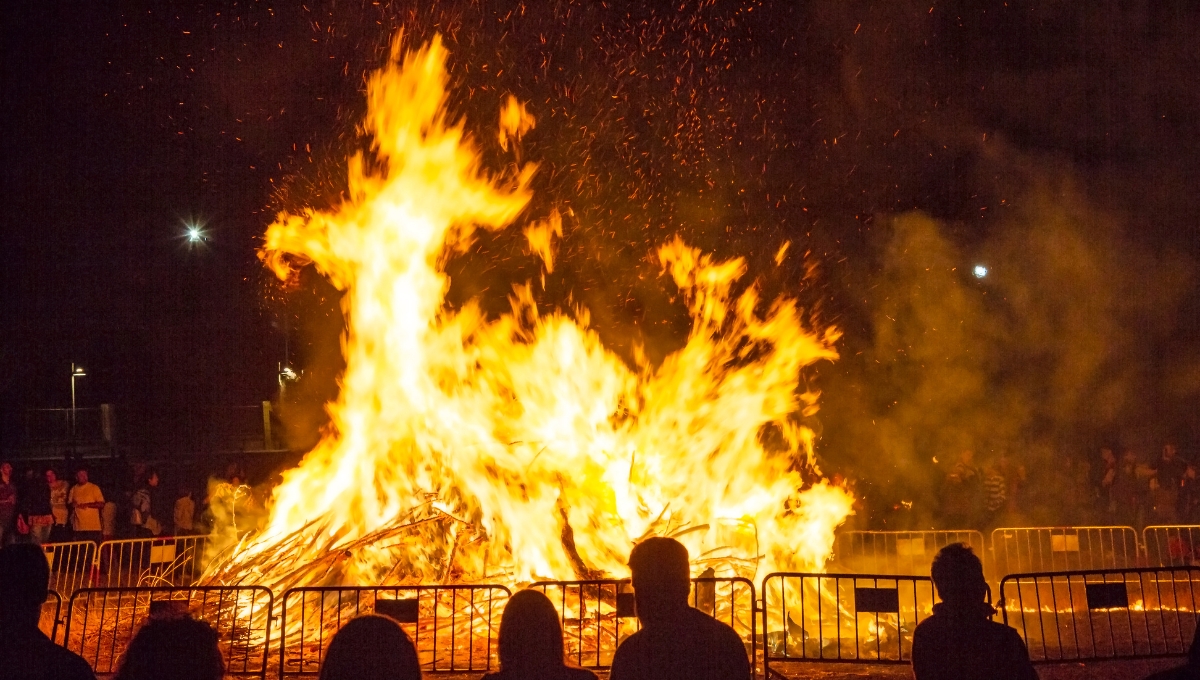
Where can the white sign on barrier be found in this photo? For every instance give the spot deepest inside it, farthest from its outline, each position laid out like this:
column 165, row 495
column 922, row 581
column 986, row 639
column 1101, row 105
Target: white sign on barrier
column 1065, row 543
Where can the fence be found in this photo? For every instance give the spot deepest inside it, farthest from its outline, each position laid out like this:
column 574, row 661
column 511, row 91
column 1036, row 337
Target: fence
column 1103, row 614
column 907, row 553
column 597, row 615
column 101, row 622
column 1172, row 546
column 175, row 561
column 820, row 617
column 51, row 610
column 1043, row 549
column 454, row 627
column 70, row 565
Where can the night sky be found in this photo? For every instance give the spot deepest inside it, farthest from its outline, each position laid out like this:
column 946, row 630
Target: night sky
column 740, row 125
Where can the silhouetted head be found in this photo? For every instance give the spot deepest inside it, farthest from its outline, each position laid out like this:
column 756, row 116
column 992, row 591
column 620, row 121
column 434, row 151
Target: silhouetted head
column 530, row 635
column 51, row 476
column 661, row 578
column 177, row 648
column 1169, row 451
column 81, row 476
column 24, row 583
column 958, row 575
column 371, row 647
column 6, row 471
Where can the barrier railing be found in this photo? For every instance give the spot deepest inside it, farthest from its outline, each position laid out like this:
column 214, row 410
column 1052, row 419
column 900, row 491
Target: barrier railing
column 1103, row 614
column 48, row 618
column 454, row 627
column 899, row 552
column 173, row 561
column 1043, row 549
column 1172, row 546
column 70, row 565
column 101, row 622
column 855, row 618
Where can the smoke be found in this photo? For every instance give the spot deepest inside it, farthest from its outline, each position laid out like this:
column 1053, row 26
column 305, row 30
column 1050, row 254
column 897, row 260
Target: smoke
column 1054, row 351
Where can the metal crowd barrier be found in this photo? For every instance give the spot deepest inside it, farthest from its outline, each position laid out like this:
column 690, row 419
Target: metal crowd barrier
column 597, row 615
column 1172, row 546
column 453, row 627
column 900, row 552
column 170, row 561
column 851, row 618
column 1104, row 613
column 101, row 622
column 70, row 565
column 1043, row 549
column 48, row 619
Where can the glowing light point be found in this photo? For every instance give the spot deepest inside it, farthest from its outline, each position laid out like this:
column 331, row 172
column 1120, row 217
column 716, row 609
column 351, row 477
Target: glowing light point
column 980, row 271
column 194, row 234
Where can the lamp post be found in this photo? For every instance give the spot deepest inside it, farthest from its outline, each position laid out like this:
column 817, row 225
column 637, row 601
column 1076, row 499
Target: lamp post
column 76, row 372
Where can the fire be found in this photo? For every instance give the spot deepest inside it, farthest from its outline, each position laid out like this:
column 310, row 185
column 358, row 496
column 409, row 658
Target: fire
column 516, row 448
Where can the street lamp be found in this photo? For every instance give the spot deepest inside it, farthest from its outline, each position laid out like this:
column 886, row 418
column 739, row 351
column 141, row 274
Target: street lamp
column 76, row 372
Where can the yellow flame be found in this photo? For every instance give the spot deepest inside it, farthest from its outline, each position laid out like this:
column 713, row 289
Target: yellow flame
column 536, row 451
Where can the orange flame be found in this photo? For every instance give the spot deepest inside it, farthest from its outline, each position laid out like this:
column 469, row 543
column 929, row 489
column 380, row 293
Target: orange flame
column 546, row 454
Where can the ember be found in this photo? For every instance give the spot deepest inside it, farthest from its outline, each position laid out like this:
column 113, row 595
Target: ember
column 505, row 450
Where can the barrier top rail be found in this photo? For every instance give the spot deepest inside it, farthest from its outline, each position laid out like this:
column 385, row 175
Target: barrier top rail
column 453, row 627
column 1090, row 614
column 159, row 560
column 101, row 622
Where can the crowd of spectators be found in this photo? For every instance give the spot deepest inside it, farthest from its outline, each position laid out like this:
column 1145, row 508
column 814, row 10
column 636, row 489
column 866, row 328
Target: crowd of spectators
column 1106, row 489
column 39, row 506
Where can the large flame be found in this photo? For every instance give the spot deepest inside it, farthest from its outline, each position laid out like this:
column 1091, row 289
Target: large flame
column 509, row 449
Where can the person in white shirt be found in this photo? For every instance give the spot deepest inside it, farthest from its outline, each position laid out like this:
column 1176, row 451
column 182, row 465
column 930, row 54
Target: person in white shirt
column 86, row 500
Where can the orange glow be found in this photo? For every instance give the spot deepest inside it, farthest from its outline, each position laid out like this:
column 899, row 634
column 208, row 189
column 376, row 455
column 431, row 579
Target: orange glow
column 519, row 447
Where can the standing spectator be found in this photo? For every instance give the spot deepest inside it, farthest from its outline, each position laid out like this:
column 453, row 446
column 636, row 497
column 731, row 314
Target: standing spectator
column 1189, row 497
column 960, row 640
column 86, row 500
column 185, row 513
column 174, row 648
column 371, row 646
column 34, row 509
column 8, row 504
column 1014, row 478
column 58, row 505
column 960, row 494
column 1127, row 492
column 677, row 641
column 531, row 642
column 25, row 651
column 146, row 506
column 1168, row 476
column 1107, row 475
column 995, row 488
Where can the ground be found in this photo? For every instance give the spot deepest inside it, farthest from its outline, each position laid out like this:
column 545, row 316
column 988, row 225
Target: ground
column 1108, row 670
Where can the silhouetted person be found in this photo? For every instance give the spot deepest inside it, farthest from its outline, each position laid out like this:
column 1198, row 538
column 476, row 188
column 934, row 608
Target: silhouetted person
column 676, row 642
column 25, row 651
column 1189, row 670
column 172, row 648
column 371, row 647
column 959, row 640
column 531, row 642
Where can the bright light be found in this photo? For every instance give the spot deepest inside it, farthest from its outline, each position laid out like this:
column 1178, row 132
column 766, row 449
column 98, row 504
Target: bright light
column 194, row 234
column 980, row 271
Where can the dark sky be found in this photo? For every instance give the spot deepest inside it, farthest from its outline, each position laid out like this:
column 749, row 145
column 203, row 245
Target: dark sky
column 739, row 124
